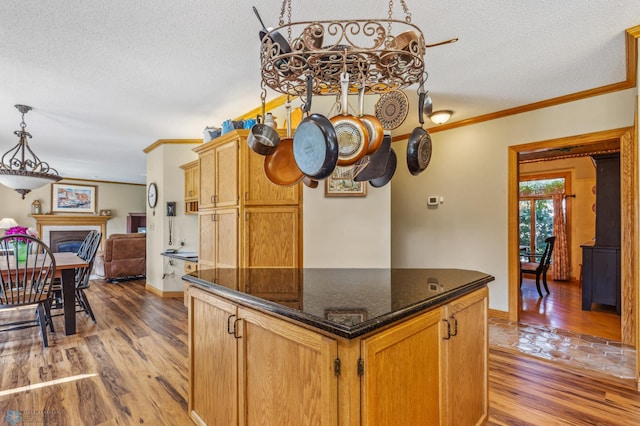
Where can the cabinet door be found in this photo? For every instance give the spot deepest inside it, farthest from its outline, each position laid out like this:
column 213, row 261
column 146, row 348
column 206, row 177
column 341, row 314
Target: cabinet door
column 213, row 355
column 271, row 237
column 191, row 181
column 402, row 380
column 207, row 239
column 207, row 177
column 466, row 355
column 226, row 171
column 259, row 190
column 286, row 373
column 226, row 238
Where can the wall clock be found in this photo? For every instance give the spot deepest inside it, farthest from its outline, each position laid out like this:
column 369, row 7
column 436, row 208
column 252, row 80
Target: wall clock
column 152, row 195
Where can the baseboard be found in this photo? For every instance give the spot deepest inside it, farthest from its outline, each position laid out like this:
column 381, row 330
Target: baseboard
column 158, row 292
column 494, row 313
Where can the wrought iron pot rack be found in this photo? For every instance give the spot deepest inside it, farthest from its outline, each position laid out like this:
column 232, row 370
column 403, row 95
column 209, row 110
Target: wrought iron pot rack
column 382, row 54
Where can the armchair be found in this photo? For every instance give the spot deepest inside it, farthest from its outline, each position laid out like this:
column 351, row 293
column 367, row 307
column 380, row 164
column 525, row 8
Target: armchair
column 125, row 256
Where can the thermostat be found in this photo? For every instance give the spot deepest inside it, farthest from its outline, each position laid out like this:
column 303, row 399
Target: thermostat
column 432, row 200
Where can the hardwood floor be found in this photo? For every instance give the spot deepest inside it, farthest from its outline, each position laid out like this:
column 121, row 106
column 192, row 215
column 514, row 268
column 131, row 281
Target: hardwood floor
column 562, row 308
column 131, row 368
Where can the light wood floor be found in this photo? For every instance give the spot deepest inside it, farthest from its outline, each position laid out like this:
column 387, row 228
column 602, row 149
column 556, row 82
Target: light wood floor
column 131, row 368
column 562, row 308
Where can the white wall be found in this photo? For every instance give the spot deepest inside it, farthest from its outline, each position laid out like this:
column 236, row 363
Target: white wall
column 163, row 168
column 120, row 198
column 469, row 169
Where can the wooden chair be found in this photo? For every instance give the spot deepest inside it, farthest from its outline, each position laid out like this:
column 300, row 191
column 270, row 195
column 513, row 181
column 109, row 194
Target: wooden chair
column 26, row 282
column 539, row 268
column 87, row 251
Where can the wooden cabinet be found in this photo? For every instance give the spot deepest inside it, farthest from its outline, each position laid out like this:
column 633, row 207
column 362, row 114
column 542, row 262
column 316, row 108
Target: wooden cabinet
column 430, row 369
column 213, row 365
column 466, row 360
column 218, row 238
column 601, row 277
column 402, row 380
column 268, row 233
column 191, row 186
column 275, row 372
column 136, row 222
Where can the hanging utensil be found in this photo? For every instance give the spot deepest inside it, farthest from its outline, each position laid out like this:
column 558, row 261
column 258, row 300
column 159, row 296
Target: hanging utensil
column 389, row 171
column 373, row 125
column 277, row 40
column 315, row 143
column 263, row 139
column 419, row 143
column 280, row 167
column 353, row 138
column 377, row 163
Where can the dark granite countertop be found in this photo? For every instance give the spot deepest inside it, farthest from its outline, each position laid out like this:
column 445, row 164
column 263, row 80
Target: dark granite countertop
column 343, row 302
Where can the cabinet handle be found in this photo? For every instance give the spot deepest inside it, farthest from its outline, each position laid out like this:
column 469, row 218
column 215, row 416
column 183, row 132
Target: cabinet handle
column 455, row 326
column 213, row 217
column 235, row 329
column 246, row 196
column 448, row 330
column 215, row 199
column 229, row 331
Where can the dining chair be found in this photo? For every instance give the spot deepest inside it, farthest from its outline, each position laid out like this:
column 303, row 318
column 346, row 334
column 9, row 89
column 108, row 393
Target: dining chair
column 540, row 267
column 84, row 276
column 27, row 268
column 87, row 252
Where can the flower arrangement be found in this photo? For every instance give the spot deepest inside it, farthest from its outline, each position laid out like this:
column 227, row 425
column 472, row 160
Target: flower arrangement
column 20, row 230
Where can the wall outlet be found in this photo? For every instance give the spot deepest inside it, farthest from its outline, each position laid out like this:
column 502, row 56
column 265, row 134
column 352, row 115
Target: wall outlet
column 182, row 243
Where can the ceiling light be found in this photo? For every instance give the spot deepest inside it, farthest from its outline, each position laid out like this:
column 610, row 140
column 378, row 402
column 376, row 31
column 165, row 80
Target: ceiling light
column 20, row 167
column 440, row 117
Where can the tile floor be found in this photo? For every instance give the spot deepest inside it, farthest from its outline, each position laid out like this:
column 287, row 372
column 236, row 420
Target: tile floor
column 576, row 350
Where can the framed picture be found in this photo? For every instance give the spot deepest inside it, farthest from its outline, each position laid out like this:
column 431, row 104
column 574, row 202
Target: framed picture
column 341, row 184
column 72, row 198
column 346, row 316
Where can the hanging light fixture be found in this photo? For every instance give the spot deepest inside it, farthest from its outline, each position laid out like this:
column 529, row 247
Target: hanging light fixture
column 20, row 167
column 440, row 117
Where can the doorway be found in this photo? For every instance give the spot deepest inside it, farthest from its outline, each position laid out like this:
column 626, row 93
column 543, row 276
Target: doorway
column 582, row 145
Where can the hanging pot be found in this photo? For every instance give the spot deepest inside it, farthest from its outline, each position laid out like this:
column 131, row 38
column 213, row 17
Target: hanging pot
column 353, row 138
column 315, row 143
column 280, row 167
column 419, row 143
column 389, row 170
column 263, row 139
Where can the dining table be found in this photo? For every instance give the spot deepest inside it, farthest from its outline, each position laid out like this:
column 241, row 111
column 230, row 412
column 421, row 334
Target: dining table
column 66, row 264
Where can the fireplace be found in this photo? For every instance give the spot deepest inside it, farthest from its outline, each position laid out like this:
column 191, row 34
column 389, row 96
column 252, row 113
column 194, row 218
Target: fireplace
column 67, row 241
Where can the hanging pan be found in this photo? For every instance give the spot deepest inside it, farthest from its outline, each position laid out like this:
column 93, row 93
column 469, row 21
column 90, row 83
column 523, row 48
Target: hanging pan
column 315, row 143
column 373, row 125
column 353, row 138
column 377, row 163
column 280, row 166
column 392, row 109
column 278, row 41
column 419, row 144
column 389, row 170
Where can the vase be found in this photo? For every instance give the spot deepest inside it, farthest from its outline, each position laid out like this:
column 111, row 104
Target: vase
column 21, row 250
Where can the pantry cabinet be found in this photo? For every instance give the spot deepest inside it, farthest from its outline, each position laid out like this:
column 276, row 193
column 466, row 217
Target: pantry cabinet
column 268, row 229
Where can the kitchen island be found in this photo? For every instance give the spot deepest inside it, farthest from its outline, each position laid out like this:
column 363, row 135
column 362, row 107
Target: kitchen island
column 338, row 346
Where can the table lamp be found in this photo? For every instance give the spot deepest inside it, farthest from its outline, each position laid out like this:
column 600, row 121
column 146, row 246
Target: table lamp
column 6, row 223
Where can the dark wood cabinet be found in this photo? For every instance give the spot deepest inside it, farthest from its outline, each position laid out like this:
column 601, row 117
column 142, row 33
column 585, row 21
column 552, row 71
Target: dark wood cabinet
column 136, row 222
column 601, row 276
column 601, row 260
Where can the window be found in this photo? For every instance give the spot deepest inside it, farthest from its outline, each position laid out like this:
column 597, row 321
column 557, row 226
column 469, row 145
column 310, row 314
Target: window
column 536, row 208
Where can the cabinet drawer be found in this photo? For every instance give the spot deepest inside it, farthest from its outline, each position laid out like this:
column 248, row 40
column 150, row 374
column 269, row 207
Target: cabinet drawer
column 190, row 267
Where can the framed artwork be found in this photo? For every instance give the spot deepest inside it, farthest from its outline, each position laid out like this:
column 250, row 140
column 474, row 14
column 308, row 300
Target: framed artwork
column 341, row 184
column 346, row 316
column 72, row 198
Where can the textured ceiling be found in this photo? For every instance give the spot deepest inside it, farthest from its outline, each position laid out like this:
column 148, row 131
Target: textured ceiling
column 108, row 78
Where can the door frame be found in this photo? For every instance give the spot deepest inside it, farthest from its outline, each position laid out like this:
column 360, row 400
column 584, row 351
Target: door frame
column 629, row 223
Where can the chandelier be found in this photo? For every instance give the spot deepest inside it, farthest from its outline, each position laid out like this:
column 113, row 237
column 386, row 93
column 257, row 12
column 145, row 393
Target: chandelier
column 20, row 167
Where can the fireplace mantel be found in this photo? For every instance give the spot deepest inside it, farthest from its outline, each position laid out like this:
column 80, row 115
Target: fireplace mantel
column 71, row 220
